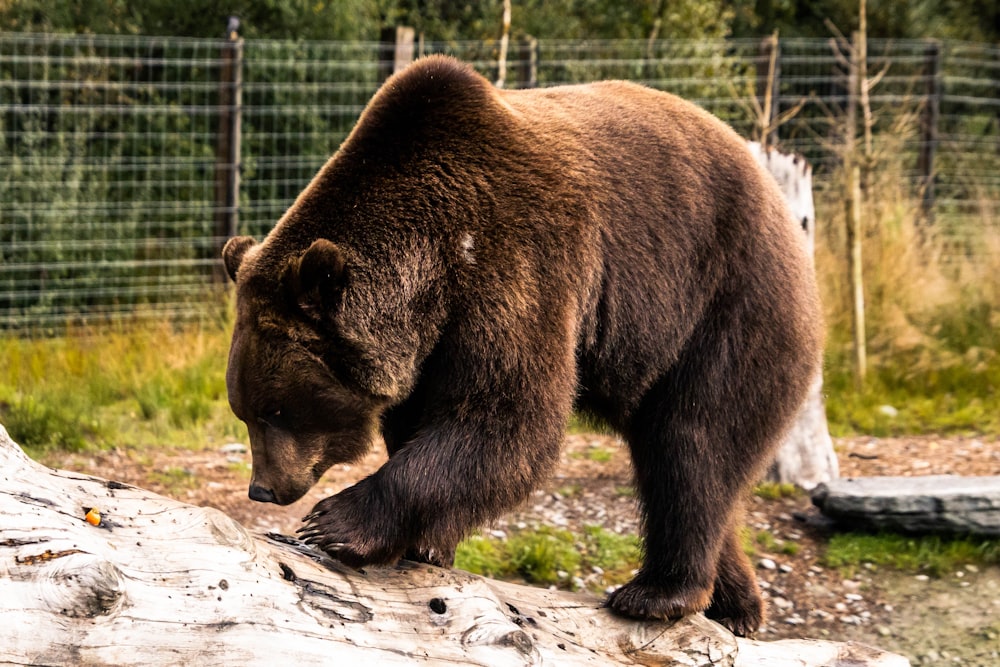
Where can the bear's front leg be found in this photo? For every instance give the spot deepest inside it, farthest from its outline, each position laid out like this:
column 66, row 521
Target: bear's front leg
column 446, row 482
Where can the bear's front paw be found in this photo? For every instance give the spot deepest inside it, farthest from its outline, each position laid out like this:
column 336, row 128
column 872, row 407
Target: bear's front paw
column 638, row 599
column 341, row 527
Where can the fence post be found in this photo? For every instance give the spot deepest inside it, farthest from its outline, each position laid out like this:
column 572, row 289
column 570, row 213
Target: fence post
column 769, row 88
column 227, row 144
column 395, row 51
column 527, row 63
column 930, row 112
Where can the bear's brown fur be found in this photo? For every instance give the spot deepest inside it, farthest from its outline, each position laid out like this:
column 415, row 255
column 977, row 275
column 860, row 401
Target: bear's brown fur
column 470, row 265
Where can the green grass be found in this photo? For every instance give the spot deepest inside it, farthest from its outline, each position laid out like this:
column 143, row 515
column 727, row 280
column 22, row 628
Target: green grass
column 932, row 555
column 777, row 490
column 131, row 387
column 549, row 556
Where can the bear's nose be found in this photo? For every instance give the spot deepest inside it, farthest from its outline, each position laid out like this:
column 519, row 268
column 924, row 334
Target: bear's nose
column 261, row 495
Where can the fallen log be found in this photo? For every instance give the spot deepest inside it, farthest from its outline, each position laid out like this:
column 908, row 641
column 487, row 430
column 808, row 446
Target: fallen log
column 942, row 504
column 93, row 571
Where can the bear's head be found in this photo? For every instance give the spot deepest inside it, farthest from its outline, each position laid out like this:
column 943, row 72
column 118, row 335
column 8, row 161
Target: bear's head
column 286, row 377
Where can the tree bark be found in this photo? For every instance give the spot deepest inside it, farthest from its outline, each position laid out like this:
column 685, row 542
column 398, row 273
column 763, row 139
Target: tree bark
column 154, row 581
column 806, row 457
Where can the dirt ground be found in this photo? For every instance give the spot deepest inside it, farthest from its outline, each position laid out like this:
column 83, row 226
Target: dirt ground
column 951, row 620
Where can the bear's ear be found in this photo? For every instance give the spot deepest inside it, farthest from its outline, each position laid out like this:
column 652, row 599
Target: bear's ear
column 233, row 252
column 316, row 279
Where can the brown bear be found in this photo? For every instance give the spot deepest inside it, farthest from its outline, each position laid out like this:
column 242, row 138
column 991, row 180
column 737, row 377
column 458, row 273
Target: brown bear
column 473, row 263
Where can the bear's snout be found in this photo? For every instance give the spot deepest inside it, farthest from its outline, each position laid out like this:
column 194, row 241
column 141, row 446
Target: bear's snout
column 262, row 495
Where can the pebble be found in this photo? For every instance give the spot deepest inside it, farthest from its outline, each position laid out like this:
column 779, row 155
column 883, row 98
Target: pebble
column 853, row 597
column 795, row 619
column 922, row 577
column 234, row 448
column 767, row 564
column 784, row 567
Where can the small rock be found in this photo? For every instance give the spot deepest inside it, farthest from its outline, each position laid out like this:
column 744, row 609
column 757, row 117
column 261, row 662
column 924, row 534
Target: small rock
column 795, row 619
column 767, row 564
column 883, row 631
column 784, row 567
column 498, row 534
column 851, row 619
column 888, row 411
column 922, row 577
column 234, row 448
column 854, row 597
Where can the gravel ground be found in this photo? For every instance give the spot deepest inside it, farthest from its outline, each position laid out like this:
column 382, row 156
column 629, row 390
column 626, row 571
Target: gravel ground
column 951, row 620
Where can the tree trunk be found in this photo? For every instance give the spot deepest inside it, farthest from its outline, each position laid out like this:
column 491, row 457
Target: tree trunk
column 806, row 457
column 152, row 580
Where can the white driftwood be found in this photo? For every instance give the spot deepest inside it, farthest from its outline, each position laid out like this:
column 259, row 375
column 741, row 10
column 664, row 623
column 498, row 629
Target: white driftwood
column 806, row 457
column 161, row 582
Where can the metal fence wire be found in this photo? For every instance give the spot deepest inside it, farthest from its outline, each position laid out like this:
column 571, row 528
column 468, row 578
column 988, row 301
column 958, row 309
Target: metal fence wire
column 126, row 162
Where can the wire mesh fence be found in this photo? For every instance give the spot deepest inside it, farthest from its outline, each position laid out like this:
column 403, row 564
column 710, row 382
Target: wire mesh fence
column 127, row 161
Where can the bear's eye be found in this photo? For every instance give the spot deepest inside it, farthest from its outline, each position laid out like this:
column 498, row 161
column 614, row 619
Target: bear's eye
column 271, row 418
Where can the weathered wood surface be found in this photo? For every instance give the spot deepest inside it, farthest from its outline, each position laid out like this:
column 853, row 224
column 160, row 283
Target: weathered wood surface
column 161, row 582
column 806, row 457
column 948, row 504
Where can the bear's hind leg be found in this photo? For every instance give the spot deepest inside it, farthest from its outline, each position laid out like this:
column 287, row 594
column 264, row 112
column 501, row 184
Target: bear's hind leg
column 736, row 601
column 699, row 438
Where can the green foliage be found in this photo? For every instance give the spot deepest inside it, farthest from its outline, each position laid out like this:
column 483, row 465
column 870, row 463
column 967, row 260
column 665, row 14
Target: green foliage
column 949, row 382
column 118, row 387
column 549, row 556
column 776, row 490
column 56, row 421
column 933, row 555
column 539, row 557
